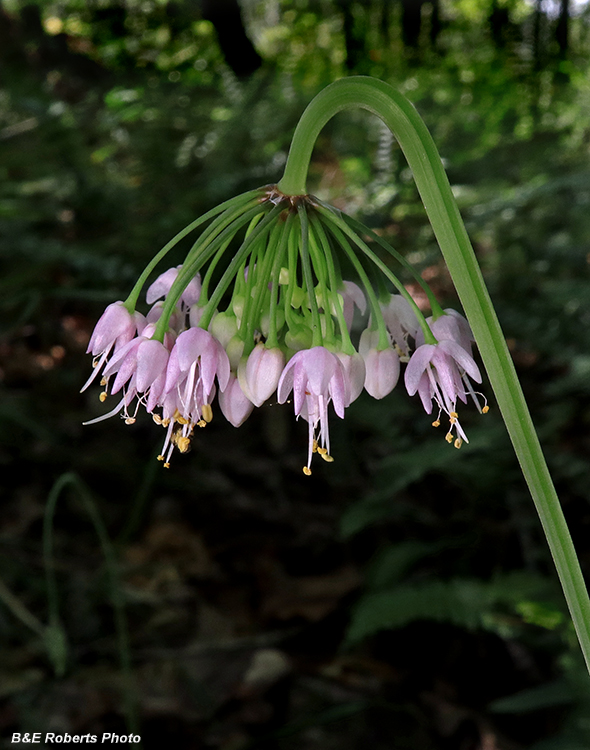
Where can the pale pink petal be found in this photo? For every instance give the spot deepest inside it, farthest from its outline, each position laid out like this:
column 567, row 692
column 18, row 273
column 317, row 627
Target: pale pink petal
column 161, row 286
column 354, row 367
column 223, row 367
column 117, row 358
column 382, row 372
column 320, row 365
column 462, row 358
column 339, row 390
column 263, row 370
column 234, row 404
column 114, row 323
column 285, row 385
column 152, row 357
column 418, row 363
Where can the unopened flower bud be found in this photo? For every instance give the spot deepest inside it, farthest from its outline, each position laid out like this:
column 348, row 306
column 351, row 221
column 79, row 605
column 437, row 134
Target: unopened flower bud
column 234, row 351
column 260, row 373
column 234, row 404
column 224, row 327
column 382, row 371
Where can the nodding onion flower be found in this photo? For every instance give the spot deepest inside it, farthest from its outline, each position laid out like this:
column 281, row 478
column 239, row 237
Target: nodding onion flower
column 260, row 307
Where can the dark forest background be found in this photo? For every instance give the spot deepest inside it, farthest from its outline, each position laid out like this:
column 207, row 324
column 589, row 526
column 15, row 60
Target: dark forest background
column 400, row 598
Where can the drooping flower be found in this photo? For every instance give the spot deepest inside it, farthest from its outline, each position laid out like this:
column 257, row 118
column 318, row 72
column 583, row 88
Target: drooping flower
column 138, row 367
column 196, row 360
column 440, row 374
column 381, row 365
column 115, row 328
column 235, row 406
column 260, row 373
column 316, row 377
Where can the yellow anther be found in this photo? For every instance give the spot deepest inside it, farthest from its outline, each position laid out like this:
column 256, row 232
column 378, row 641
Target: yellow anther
column 103, row 397
column 165, row 422
column 436, row 423
column 314, row 446
column 458, row 443
column 160, row 457
column 201, row 423
column 485, row 409
column 182, row 420
column 104, row 381
column 327, row 457
column 183, row 444
column 449, row 437
column 453, row 415
column 157, row 418
column 176, row 415
column 307, row 471
column 323, row 452
column 130, row 420
column 207, row 412
column 166, row 465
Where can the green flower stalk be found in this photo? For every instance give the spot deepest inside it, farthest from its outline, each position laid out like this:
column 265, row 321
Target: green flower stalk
column 260, row 306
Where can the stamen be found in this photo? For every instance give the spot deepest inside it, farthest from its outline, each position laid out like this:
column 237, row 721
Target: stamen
column 327, row 457
column 458, row 443
column 168, row 440
column 130, row 420
column 96, row 369
column 183, row 444
column 207, row 412
column 436, row 423
column 323, row 452
column 103, row 397
column 307, row 471
column 201, row 423
column 112, row 413
column 168, row 455
column 314, row 446
column 157, row 418
column 449, row 437
column 160, row 457
column 485, row 409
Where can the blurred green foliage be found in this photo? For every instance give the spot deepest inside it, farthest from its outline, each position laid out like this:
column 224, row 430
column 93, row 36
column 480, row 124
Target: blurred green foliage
column 102, row 163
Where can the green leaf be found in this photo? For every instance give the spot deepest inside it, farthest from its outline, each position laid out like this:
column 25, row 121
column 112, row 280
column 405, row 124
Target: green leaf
column 460, row 602
column 558, row 693
column 467, row 603
column 391, row 563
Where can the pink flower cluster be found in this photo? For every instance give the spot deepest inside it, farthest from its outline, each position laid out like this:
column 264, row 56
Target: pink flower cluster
column 177, row 379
